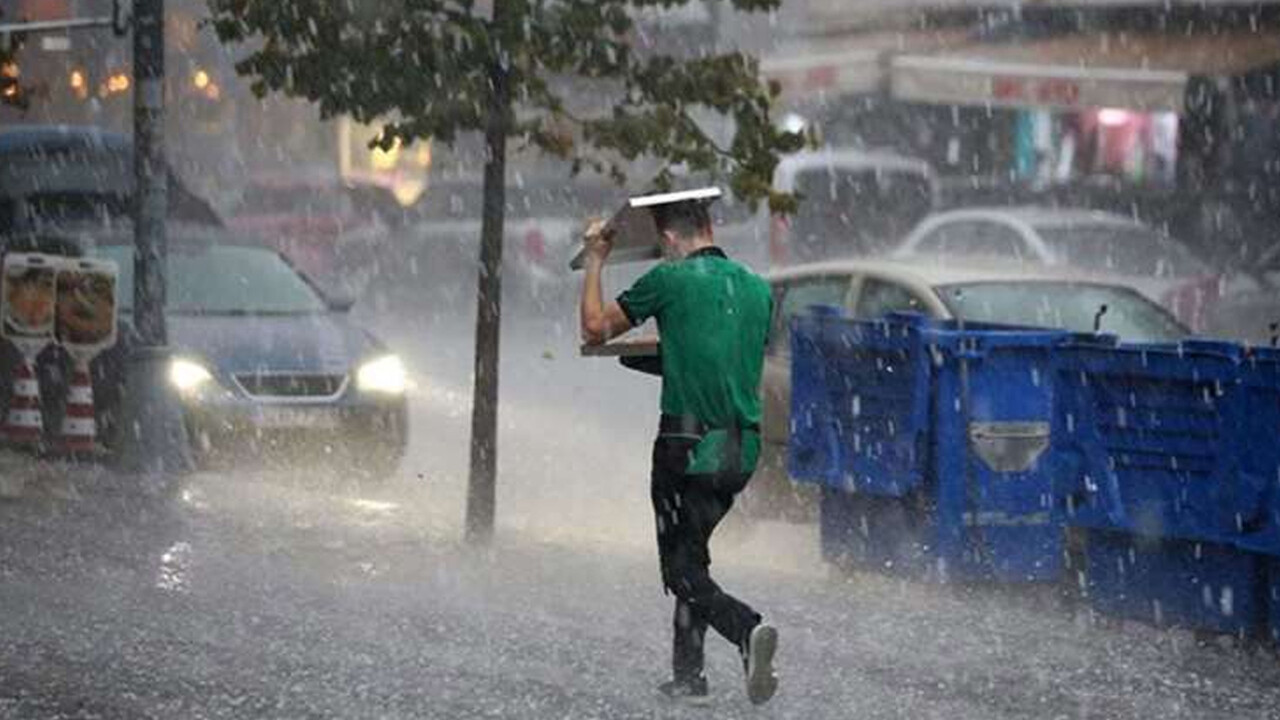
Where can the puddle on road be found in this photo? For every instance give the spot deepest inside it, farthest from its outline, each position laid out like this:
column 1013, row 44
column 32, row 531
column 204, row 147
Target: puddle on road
column 174, row 573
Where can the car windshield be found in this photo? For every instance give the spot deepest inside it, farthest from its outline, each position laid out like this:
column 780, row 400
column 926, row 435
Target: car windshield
column 1065, row 305
column 223, row 280
column 1122, row 249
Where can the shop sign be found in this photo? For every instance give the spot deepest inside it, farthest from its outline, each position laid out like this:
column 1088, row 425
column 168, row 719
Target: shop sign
column 1043, row 91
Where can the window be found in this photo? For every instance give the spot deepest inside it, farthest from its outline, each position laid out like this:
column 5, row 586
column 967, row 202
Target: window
column 1065, row 305
column 1122, row 249
column 796, row 297
column 973, row 238
column 223, row 280
column 879, row 298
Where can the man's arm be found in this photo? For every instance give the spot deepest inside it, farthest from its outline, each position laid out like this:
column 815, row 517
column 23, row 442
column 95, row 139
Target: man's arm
column 600, row 322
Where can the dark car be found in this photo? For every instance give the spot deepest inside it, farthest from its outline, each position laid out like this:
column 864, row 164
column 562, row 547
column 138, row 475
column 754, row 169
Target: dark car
column 264, row 363
column 57, row 174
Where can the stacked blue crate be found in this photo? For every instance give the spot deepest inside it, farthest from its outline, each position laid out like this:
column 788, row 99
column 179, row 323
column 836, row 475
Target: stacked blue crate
column 961, row 452
column 940, row 435
column 859, row 414
column 1148, row 456
column 811, row 455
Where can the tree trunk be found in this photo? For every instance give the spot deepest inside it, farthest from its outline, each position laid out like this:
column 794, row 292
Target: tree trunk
column 481, row 485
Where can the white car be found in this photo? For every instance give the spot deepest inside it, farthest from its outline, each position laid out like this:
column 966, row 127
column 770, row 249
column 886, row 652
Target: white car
column 1101, row 244
column 852, row 202
column 1006, row 293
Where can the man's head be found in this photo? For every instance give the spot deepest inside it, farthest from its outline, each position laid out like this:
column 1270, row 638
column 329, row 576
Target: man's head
column 683, row 228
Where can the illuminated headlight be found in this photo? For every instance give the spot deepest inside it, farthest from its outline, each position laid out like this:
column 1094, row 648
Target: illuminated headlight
column 188, row 376
column 384, row 375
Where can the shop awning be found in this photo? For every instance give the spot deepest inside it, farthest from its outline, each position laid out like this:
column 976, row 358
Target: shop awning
column 848, row 65
column 1137, row 72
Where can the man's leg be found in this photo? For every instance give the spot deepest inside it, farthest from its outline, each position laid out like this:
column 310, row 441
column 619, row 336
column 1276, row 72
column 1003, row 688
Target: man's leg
column 687, row 650
column 700, row 508
column 688, row 631
column 687, row 510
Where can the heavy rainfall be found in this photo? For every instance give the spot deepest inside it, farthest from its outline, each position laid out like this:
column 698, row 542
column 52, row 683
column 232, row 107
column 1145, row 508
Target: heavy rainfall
column 305, row 413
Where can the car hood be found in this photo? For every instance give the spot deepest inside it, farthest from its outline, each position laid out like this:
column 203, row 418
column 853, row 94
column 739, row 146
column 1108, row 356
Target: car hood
column 316, row 343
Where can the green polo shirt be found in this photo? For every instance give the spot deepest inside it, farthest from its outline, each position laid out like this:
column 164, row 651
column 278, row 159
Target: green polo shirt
column 713, row 320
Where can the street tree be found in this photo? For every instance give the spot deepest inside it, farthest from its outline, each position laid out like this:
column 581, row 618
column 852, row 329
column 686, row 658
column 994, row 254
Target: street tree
column 439, row 69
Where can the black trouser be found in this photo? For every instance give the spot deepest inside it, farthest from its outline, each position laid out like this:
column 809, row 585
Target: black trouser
column 687, row 509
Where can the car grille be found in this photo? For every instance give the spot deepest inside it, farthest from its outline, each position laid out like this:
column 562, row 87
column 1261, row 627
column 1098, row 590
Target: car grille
column 291, row 385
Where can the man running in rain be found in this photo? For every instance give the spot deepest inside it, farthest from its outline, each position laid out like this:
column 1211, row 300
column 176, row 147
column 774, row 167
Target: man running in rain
column 713, row 319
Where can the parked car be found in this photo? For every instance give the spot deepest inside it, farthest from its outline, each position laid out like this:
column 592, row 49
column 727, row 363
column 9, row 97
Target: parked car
column 1249, row 309
column 264, row 363
column 52, row 174
column 1102, row 244
column 852, row 203
column 997, row 293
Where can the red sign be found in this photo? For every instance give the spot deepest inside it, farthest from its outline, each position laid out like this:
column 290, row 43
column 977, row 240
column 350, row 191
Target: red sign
column 1047, row 91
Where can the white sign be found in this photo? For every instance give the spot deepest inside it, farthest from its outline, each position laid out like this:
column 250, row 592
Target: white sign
column 86, row 306
column 55, row 43
column 963, row 81
column 28, row 292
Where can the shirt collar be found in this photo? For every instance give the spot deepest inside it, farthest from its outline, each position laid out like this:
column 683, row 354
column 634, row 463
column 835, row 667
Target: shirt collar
column 711, row 251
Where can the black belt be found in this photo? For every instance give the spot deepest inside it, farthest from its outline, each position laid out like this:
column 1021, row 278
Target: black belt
column 692, row 426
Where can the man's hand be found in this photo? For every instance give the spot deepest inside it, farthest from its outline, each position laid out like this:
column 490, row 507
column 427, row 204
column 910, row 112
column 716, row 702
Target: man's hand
column 600, row 321
column 598, row 240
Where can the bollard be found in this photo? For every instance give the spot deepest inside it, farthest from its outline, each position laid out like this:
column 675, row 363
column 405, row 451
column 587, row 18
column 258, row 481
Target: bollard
column 79, row 424
column 24, row 424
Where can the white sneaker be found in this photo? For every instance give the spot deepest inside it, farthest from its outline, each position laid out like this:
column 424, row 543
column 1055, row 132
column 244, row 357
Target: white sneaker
column 761, row 646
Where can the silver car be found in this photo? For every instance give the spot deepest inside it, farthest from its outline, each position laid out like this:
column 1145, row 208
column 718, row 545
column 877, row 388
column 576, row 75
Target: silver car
column 1007, row 294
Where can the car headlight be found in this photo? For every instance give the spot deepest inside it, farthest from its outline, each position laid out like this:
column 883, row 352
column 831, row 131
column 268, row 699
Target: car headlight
column 383, row 375
column 188, row 375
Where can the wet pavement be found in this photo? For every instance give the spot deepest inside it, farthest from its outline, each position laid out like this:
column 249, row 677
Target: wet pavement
column 296, row 595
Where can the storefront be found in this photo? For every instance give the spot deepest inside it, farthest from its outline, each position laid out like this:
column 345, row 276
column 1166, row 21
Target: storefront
column 840, row 85
column 1151, row 111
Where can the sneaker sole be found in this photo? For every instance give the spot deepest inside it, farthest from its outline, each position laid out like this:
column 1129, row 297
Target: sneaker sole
column 761, row 682
column 697, row 701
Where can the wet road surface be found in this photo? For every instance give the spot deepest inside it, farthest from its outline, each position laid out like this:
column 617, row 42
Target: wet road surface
column 292, row 595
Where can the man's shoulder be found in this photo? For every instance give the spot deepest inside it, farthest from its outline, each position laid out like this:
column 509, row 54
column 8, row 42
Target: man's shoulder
column 753, row 279
column 655, row 273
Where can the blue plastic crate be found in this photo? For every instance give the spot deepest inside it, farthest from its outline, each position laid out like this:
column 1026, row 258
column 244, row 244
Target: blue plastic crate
column 859, row 403
column 941, row 433
column 878, row 389
column 1171, row 582
column 812, row 455
column 1150, row 439
column 869, row 532
column 1259, row 446
column 1000, row 516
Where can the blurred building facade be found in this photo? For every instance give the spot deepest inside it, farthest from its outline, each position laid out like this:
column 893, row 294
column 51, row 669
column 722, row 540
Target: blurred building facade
column 1132, row 105
column 1165, row 110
